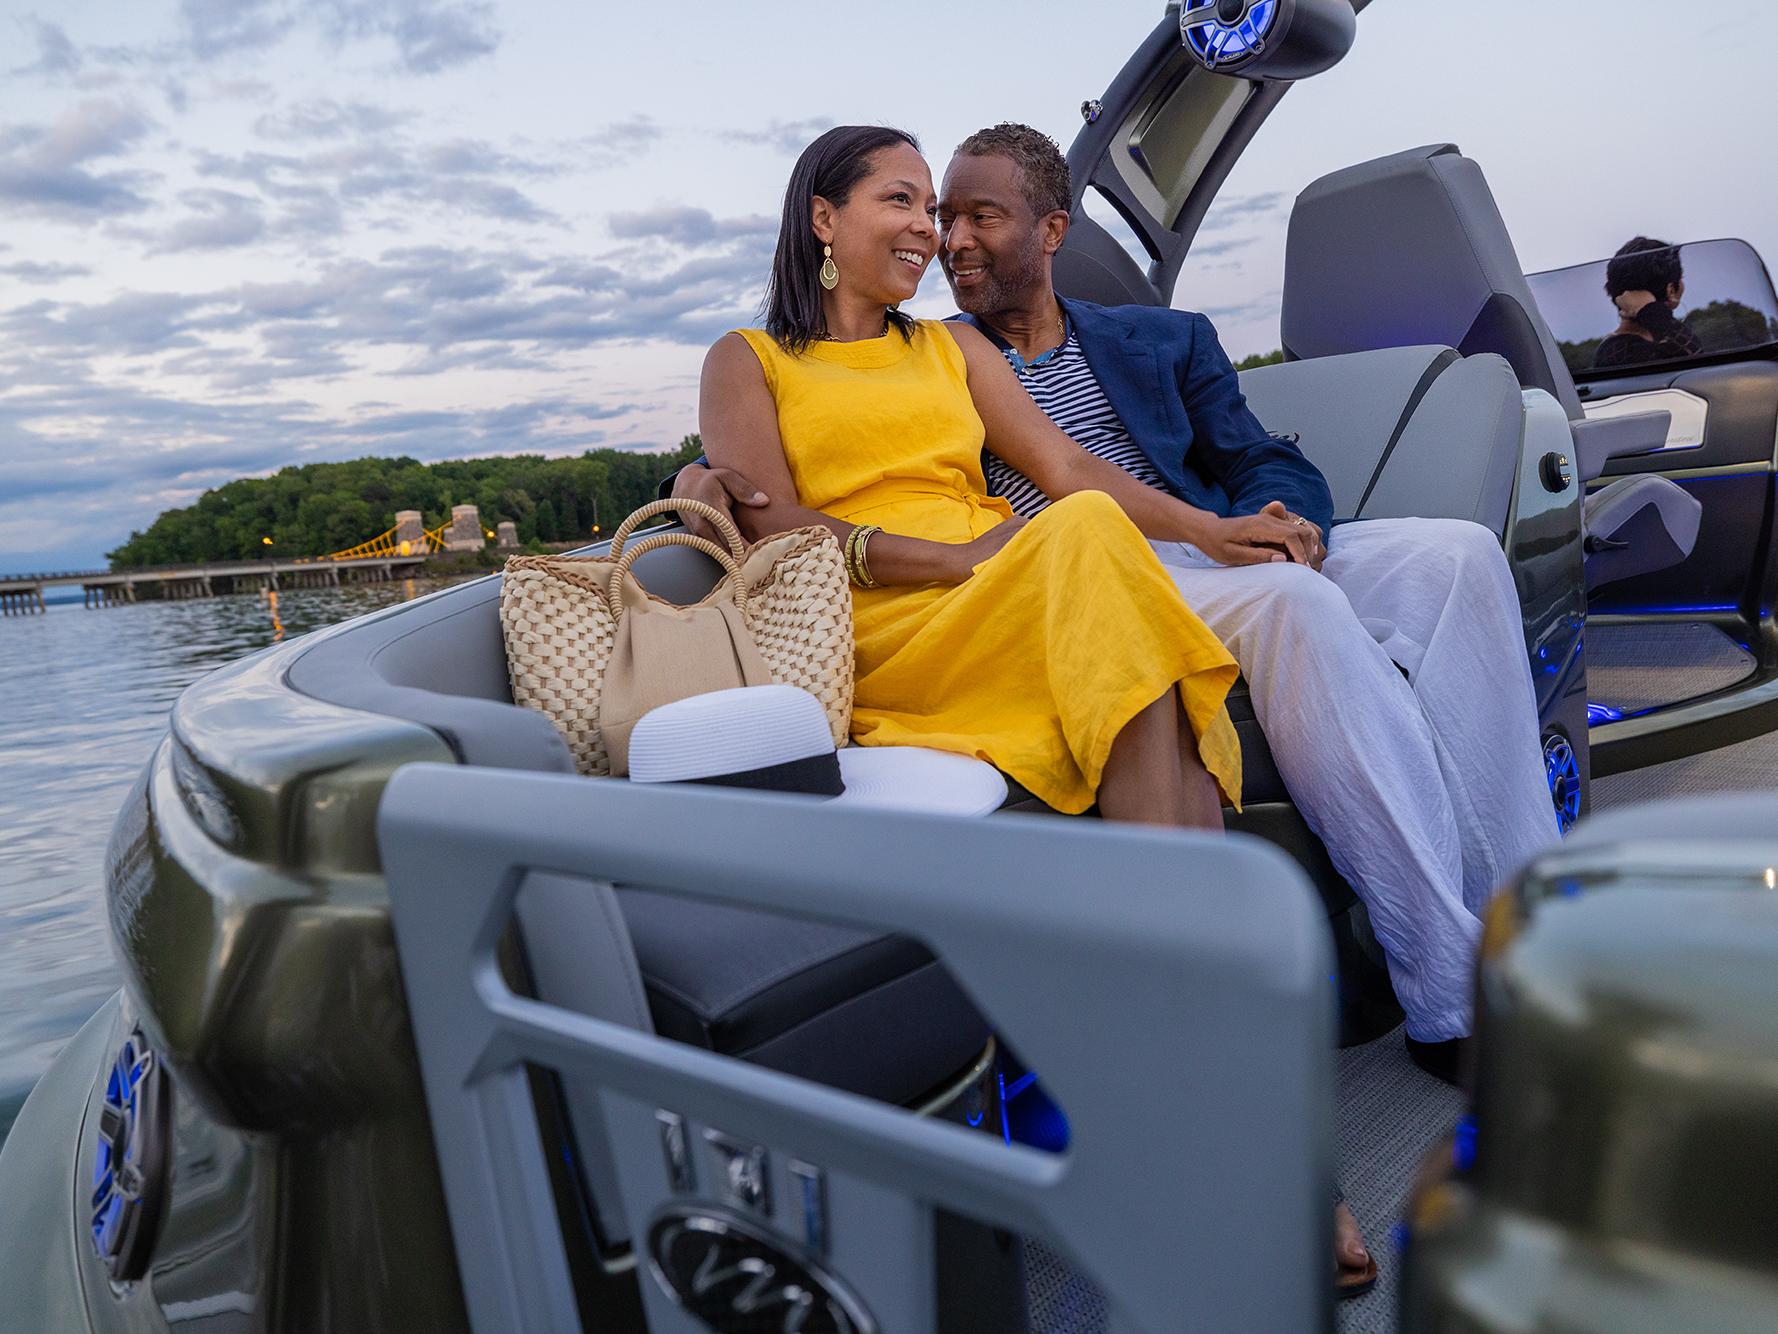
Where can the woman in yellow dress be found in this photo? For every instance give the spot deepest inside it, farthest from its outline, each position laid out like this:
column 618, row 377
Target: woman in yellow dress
column 1059, row 649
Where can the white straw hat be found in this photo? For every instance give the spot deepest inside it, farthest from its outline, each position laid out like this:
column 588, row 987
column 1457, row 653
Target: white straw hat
column 776, row 738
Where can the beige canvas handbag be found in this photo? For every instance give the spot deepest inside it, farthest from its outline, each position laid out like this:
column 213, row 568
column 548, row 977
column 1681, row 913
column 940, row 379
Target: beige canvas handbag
column 593, row 650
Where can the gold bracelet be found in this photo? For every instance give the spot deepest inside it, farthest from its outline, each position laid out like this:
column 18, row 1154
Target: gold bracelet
column 856, row 570
column 852, row 543
column 862, row 557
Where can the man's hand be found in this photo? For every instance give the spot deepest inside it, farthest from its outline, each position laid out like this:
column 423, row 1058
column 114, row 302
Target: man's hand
column 1630, row 304
column 1314, row 541
column 720, row 488
column 1255, row 539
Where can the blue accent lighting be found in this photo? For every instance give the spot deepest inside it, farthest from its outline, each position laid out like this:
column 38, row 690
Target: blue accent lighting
column 1562, row 771
column 1217, row 43
column 116, row 1168
column 1602, row 713
column 1463, row 1149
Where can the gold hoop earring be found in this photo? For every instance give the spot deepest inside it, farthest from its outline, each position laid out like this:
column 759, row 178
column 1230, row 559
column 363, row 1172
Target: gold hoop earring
column 830, row 272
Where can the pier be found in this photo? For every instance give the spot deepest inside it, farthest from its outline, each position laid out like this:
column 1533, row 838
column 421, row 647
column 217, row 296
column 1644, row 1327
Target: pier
column 22, row 594
column 403, row 548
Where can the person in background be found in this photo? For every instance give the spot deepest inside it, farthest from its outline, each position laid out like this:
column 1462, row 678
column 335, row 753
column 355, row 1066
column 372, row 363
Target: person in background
column 1646, row 283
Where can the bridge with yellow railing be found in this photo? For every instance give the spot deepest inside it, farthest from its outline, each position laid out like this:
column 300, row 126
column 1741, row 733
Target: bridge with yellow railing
column 399, row 552
column 392, row 544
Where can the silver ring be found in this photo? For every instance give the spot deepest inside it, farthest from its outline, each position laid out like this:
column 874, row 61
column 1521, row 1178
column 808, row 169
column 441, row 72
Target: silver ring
column 1299, row 521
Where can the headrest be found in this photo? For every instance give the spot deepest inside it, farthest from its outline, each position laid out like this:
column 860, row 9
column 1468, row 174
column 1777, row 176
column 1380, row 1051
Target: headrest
column 1411, row 249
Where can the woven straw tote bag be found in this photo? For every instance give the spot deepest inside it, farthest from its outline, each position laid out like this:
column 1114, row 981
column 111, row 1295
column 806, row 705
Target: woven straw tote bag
column 590, row 648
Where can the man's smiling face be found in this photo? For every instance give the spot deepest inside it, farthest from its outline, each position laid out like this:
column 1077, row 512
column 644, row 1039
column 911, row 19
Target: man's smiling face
column 993, row 244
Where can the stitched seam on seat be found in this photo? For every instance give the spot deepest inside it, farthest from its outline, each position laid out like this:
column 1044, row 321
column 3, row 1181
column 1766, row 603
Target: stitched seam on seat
column 851, row 1001
column 1440, row 364
column 788, row 971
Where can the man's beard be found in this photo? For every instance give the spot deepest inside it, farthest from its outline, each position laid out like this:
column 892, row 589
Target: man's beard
column 1004, row 284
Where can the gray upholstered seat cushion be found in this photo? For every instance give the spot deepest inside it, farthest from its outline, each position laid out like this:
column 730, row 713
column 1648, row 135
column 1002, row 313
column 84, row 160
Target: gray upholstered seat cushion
column 870, row 1013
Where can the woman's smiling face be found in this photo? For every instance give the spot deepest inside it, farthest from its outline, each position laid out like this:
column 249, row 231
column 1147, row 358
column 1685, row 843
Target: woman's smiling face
column 883, row 236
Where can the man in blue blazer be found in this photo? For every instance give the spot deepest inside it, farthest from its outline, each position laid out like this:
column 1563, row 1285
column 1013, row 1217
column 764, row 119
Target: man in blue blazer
column 1384, row 659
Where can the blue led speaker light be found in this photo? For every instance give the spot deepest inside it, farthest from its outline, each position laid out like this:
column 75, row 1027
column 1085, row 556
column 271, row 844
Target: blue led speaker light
column 130, row 1163
column 1562, row 771
column 1227, row 35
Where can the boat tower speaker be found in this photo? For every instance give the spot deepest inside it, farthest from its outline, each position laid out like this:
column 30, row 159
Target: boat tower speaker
column 1276, row 40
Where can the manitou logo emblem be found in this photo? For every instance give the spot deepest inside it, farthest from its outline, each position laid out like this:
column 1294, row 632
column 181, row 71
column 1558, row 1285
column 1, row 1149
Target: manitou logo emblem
column 738, row 1278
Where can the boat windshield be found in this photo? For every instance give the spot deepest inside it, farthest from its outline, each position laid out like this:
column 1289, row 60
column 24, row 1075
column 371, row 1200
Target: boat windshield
column 1714, row 298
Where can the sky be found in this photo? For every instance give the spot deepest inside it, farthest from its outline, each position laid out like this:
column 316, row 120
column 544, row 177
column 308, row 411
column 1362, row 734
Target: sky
column 241, row 234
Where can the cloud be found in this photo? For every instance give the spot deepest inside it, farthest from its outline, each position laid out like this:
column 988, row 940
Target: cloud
column 785, row 136
column 44, row 169
column 215, row 28
column 386, row 168
column 25, row 271
column 428, row 36
column 1259, row 307
column 323, row 118
column 56, row 54
column 620, row 142
column 435, row 39
column 686, row 226
column 138, row 400
column 1209, row 249
column 219, row 220
column 1236, row 209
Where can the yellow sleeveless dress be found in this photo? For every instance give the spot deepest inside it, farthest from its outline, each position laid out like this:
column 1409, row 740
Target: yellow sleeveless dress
column 1037, row 662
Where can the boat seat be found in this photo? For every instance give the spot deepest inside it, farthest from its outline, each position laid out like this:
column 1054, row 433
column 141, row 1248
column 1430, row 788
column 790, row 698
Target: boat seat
column 869, row 1013
column 1411, row 249
column 1405, row 432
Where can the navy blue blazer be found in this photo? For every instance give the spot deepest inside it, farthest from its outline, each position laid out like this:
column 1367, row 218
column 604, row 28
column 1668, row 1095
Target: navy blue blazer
column 1175, row 390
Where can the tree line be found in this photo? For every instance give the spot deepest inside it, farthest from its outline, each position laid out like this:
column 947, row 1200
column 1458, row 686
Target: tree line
column 320, row 508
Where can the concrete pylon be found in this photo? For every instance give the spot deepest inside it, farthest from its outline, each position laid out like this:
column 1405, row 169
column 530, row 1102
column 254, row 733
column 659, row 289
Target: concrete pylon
column 465, row 532
column 410, row 533
column 506, row 533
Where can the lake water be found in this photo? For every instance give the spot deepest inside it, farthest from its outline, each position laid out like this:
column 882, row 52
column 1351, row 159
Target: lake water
column 84, row 697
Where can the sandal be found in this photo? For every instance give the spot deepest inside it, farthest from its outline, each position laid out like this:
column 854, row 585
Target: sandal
column 1350, row 1281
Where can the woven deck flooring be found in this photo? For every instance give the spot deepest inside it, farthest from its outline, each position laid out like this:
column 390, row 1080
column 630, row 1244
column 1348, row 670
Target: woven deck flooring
column 1634, row 667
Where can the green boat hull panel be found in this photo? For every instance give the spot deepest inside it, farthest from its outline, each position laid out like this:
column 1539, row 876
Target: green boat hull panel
column 1623, row 1177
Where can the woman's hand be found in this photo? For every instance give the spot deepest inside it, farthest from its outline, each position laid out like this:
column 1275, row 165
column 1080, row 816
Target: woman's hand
column 720, row 488
column 988, row 545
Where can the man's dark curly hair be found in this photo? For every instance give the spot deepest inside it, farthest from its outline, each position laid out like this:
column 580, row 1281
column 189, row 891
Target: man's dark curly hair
column 1643, row 264
column 1043, row 171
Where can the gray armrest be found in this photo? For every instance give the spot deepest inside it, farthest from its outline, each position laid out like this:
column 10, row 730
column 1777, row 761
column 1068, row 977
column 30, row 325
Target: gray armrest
column 1598, row 440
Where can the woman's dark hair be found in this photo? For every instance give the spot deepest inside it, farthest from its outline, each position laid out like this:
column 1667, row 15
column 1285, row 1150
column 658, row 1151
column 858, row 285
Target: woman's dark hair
column 1643, row 265
column 829, row 167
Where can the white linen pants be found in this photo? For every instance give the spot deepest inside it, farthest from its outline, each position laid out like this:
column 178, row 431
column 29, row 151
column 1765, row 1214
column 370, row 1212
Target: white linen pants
column 1428, row 790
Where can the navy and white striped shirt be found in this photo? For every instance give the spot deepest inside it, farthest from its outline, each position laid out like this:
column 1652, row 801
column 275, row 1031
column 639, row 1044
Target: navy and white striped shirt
column 1064, row 386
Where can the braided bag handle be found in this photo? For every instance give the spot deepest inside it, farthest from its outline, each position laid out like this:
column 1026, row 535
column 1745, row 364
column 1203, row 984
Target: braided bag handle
column 731, row 570
column 721, row 522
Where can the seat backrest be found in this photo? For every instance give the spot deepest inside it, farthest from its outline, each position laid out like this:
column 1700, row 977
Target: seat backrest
column 1411, row 249
column 1409, row 432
